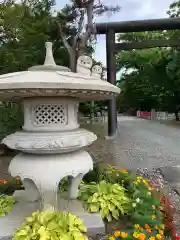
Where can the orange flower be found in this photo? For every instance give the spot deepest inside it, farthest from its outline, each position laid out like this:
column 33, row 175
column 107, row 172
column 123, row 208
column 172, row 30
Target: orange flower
column 124, row 234
column 117, row 234
column 3, row 181
column 124, row 171
column 141, row 236
column 148, row 230
column 146, row 226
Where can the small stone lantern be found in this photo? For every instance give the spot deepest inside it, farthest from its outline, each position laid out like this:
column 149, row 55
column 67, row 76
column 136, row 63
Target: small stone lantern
column 51, row 142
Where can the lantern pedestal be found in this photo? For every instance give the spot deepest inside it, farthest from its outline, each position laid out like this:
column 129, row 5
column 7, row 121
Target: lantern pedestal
column 41, row 175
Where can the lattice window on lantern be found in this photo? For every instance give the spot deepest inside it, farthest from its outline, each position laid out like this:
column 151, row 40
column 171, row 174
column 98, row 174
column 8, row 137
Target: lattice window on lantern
column 46, row 114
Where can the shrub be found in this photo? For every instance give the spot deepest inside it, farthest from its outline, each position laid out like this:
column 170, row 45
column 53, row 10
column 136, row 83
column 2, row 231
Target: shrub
column 11, row 118
column 51, row 225
column 63, row 185
column 109, row 199
column 8, row 187
column 145, row 206
column 94, row 175
column 6, row 204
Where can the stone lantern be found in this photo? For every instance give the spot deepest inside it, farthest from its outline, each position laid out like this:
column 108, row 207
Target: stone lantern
column 51, row 142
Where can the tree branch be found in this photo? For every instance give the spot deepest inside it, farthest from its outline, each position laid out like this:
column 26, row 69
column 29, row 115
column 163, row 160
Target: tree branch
column 66, row 44
column 83, row 38
column 80, row 27
column 81, row 21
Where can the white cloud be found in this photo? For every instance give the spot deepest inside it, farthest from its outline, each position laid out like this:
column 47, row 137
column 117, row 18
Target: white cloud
column 130, row 10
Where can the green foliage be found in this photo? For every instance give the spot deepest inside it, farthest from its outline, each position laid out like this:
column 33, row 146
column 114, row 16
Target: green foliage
column 25, row 27
column 146, row 85
column 63, row 185
column 86, row 108
column 51, row 225
column 154, row 79
column 6, row 204
column 94, row 175
column 145, row 206
column 109, row 199
column 11, row 118
column 8, row 187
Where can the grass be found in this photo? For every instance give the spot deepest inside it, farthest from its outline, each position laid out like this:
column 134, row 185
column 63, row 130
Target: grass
column 97, row 128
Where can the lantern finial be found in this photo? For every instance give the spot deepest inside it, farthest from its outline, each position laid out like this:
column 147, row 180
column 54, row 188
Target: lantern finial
column 49, row 63
column 49, row 60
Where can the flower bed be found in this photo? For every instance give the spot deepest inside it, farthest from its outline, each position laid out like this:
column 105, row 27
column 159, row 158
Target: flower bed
column 8, row 187
column 146, row 214
column 132, row 207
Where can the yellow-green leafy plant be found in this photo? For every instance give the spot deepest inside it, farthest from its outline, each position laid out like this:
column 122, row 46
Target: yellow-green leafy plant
column 111, row 200
column 51, row 226
column 6, row 204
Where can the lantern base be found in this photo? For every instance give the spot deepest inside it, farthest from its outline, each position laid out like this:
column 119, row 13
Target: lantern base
column 41, row 174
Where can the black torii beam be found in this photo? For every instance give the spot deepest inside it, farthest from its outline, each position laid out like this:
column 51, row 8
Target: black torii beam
column 110, row 29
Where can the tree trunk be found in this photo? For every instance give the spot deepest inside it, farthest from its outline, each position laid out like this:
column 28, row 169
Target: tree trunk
column 176, row 115
column 73, row 61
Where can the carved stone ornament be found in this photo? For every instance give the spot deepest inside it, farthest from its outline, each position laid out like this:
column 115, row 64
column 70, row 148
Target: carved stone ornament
column 49, row 142
column 97, row 71
column 84, row 65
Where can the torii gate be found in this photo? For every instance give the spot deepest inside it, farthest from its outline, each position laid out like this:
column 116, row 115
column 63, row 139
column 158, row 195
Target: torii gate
column 110, row 29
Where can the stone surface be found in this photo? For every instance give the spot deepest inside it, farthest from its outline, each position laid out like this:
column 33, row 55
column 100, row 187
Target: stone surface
column 23, row 209
column 41, row 174
column 11, row 222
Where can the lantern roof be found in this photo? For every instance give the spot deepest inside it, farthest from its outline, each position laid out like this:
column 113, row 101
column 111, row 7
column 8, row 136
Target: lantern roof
column 51, row 80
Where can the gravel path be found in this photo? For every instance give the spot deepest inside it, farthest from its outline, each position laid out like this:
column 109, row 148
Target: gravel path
column 147, row 144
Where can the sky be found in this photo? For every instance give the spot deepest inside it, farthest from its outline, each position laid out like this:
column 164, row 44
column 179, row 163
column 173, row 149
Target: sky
column 130, row 10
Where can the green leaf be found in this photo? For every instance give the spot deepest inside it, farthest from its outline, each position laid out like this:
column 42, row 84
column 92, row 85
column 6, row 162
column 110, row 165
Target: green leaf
column 115, row 214
column 94, row 208
column 51, row 225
